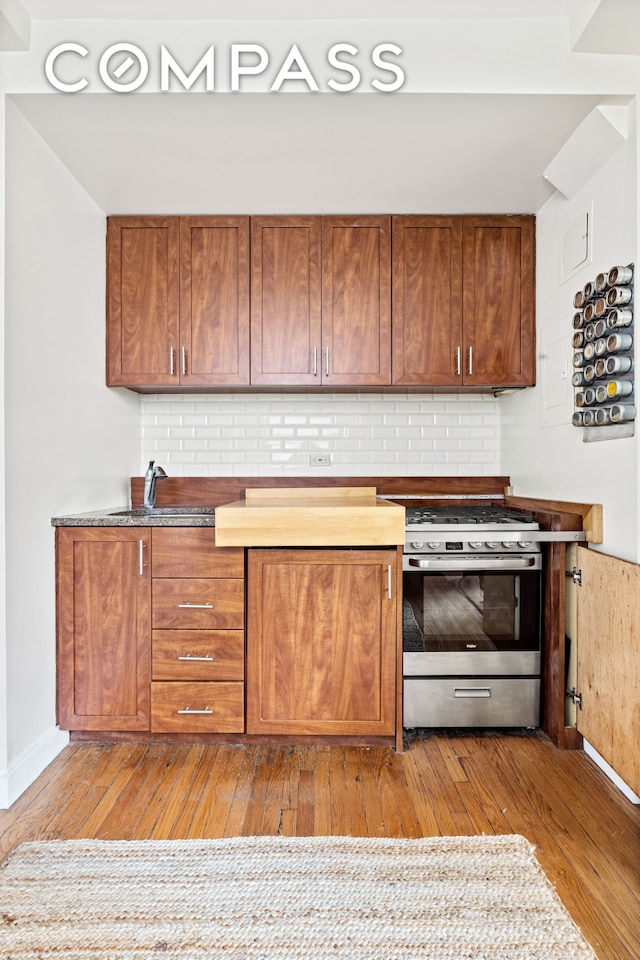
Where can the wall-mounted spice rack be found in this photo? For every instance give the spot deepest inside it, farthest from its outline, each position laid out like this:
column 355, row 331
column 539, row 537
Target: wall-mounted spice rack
column 603, row 375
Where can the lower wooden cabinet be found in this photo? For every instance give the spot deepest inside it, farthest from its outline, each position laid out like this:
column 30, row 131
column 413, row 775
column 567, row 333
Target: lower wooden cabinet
column 143, row 653
column 104, row 628
column 151, row 636
column 321, row 642
column 198, row 633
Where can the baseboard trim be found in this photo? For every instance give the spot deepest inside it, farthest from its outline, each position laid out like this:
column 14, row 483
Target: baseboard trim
column 610, row 772
column 30, row 765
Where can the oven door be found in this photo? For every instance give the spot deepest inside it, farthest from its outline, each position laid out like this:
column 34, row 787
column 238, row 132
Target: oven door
column 472, row 616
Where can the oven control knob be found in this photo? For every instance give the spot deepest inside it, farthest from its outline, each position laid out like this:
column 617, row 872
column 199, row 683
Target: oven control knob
column 508, row 544
column 434, row 544
column 475, row 544
column 418, row 545
column 524, row 544
column 491, row 544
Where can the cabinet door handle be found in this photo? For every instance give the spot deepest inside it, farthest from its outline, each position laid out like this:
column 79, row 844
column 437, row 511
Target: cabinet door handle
column 470, row 360
column 326, row 361
column 389, row 582
column 198, row 659
column 183, row 360
column 207, row 710
column 172, row 361
column 196, row 606
column 458, row 361
column 314, row 362
column 141, row 546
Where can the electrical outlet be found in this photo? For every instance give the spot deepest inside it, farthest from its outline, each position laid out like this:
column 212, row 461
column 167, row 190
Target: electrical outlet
column 320, row 459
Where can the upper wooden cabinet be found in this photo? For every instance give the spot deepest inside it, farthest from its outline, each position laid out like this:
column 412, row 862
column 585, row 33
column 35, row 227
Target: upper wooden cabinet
column 286, row 307
column 321, row 300
column 317, row 310
column 464, row 301
column 356, row 300
column 499, row 301
column 427, row 300
column 177, row 301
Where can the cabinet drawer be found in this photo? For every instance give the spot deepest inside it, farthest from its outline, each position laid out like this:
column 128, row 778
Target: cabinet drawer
column 192, row 552
column 198, row 654
column 197, row 707
column 198, row 604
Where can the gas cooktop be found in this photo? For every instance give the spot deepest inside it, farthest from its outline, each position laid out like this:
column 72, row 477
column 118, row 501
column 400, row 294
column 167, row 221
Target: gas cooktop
column 490, row 514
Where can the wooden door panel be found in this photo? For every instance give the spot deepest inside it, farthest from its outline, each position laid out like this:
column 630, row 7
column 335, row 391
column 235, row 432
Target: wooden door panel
column 321, row 643
column 104, row 649
column 197, row 707
column 198, row 654
column 214, row 300
column 356, row 300
column 191, row 552
column 198, row 604
column 427, row 300
column 142, row 301
column 608, row 671
column 285, row 300
column 499, row 257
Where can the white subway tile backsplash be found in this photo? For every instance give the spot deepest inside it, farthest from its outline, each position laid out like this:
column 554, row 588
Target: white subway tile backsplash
column 273, row 434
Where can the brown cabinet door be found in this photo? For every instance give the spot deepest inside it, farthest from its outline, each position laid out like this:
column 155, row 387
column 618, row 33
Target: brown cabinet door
column 427, row 300
column 356, row 300
column 499, row 301
column 142, row 301
column 321, row 642
column 214, row 300
column 104, row 628
column 285, row 300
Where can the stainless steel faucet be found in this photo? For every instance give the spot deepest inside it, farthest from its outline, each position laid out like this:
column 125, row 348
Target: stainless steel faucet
column 153, row 473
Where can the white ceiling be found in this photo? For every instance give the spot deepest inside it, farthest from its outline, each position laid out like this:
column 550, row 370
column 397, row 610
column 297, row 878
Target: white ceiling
column 298, row 154
column 294, row 9
column 146, row 153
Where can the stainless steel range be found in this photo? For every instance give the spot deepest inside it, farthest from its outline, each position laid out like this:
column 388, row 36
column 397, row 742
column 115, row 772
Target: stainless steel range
column 472, row 617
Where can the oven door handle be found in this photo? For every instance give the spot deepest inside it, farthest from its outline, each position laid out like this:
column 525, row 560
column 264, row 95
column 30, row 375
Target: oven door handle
column 474, row 563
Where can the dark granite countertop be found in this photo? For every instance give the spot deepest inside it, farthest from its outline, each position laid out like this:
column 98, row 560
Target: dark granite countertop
column 188, row 516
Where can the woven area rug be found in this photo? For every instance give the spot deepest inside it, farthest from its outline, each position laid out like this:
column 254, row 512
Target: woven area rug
column 244, row 898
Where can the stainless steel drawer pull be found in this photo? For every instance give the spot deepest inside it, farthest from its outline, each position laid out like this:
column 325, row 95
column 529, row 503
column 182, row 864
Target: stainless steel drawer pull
column 141, row 546
column 199, row 659
column 172, row 365
column 207, row 710
column 472, row 692
column 470, row 360
column 326, row 361
column 314, row 366
column 183, row 361
column 458, row 369
column 196, row 606
column 389, row 582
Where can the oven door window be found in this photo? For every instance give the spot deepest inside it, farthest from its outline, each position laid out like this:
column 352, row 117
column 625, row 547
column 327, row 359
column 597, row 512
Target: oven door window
column 458, row 611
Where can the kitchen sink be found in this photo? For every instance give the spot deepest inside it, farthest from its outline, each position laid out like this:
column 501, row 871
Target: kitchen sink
column 165, row 512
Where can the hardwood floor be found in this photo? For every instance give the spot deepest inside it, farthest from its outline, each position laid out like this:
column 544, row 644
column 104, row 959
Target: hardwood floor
column 586, row 833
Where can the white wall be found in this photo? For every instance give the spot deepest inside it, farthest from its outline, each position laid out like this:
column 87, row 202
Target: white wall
column 542, row 452
column 70, row 443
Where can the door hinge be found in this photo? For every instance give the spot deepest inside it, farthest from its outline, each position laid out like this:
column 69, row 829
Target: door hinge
column 575, row 697
column 575, row 574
